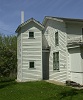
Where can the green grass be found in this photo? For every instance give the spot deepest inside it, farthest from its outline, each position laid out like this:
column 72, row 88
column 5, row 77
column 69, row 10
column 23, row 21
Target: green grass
column 39, row 90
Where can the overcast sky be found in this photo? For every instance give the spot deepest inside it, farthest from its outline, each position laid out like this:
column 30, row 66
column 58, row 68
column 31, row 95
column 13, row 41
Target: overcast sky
column 10, row 11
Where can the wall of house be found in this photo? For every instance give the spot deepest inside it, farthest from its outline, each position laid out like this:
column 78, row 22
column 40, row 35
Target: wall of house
column 76, row 70
column 19, row 74
column 82, row 57
column 74, row 30
column 31, row 51
column 51, row 28
column 82, row 62
column 74, row 34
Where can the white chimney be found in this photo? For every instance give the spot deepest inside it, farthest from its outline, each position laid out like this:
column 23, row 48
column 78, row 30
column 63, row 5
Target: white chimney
column 22, row 17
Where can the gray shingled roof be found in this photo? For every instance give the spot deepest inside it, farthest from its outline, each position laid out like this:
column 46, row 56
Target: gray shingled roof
column 61, row 19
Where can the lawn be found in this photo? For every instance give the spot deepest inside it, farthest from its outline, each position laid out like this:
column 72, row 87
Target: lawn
column 39, row 90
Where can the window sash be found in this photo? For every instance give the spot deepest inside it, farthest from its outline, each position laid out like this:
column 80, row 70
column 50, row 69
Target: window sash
column 31, row 64
column 31, row 34
column 56, row 39
column 56, row 61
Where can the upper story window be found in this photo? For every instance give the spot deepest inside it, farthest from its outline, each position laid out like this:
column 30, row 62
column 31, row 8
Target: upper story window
column 56, row 61
column 31, row 64
column 56, row 39
column 31, row 34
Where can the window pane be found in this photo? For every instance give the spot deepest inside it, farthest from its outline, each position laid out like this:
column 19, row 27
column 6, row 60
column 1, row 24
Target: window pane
column 56, row 38
column 31, row 64
column 31, row 34
column 56, row 61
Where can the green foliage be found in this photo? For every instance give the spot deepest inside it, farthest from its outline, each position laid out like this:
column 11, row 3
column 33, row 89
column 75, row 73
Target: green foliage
column 6, row 79
column 8, row 58
column 38, row 91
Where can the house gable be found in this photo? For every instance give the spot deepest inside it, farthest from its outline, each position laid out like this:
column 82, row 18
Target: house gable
column 30, row 23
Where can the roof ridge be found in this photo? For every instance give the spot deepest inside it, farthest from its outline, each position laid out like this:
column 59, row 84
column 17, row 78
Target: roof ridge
column 27, row 21
column 64, row 17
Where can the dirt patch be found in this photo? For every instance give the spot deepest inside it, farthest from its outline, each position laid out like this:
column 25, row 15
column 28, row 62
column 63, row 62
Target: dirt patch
column 55, row 82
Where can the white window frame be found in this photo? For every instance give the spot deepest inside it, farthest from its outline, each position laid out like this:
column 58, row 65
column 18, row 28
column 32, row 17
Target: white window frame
column 30, row 66
column 31, row 37
column 56, row 39
column 56, row 61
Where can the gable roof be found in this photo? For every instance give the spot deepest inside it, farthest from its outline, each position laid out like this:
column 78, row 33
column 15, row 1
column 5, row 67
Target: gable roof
column 61, row 19
column 26, row 22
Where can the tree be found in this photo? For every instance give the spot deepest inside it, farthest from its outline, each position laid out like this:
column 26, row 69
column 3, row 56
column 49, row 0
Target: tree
column 8, row 55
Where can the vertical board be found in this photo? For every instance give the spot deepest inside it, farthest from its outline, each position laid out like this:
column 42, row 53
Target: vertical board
column 19, row 57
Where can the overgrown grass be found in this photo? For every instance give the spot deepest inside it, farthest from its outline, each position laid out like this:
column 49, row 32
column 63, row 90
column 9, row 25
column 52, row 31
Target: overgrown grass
column 39, row 90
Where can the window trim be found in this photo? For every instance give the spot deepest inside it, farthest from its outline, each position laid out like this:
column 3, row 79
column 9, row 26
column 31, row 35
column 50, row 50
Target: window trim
column 30, row 36
column 56, row 39
column 54, row 60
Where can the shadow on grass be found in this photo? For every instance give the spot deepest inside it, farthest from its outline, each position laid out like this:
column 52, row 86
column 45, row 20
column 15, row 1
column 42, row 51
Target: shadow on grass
column 6, row 84
column 3, row 85
column 66, row 95
column 69, row 94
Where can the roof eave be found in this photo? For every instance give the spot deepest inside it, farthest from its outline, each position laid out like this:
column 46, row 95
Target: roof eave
column 60, row 19
column 38, row 23
column 51, row 18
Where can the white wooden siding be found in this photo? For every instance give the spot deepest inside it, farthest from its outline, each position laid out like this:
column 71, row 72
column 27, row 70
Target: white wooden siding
column 19, row 70
column 52, row 28
column 74, row 33
column 32, row 51
column 75, row 65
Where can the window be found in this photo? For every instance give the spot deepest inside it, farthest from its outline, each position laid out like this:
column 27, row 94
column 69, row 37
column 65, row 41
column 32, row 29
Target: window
column 31, row 34
column 31, row 64
column 56, row 39
column 56, row 60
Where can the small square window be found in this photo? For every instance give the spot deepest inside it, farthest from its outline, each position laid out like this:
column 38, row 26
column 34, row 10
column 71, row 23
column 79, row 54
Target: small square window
column 31, row 64
column 31, row 34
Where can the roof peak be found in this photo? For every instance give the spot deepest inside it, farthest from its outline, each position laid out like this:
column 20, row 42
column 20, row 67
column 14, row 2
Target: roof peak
column 29, row 20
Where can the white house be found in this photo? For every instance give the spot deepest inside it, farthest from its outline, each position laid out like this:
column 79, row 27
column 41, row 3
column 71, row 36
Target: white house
column 52, row 50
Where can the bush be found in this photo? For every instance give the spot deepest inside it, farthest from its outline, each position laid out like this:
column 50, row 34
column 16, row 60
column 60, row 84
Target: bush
column 7, row 79
column 8, row 56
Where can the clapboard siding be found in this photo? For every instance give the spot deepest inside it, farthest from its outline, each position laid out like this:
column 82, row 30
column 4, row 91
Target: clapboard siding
column 19, row 70
column 74, row 30
column 69, row 68
column 52, row 28
column 29, row 49
column 32, row 51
